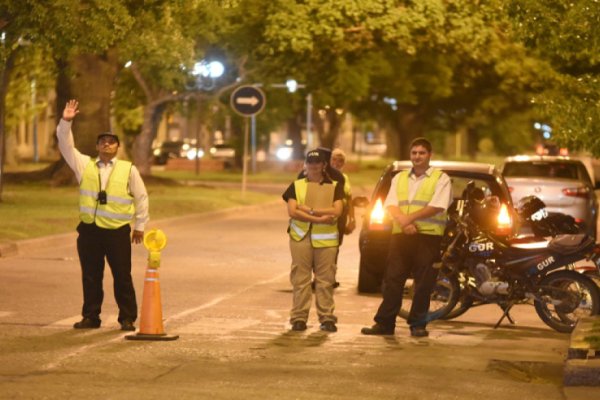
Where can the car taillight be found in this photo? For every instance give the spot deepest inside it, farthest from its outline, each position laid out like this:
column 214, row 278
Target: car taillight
column 377, row 216
column 510, row 189
column 504, row 221
column 582, row 191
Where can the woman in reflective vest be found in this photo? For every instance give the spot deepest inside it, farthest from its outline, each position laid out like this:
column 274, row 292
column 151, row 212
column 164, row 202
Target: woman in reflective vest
column 314, row 203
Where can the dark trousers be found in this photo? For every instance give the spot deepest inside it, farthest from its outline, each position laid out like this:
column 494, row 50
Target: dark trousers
column 341, row 222
column 409, row 255
column 94, row 244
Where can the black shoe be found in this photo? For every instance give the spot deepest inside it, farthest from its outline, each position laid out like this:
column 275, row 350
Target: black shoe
column 328, row 326
column 127, row 325
column 87, row 323
column 377, row 330
column 299, row 326
column 418, row 331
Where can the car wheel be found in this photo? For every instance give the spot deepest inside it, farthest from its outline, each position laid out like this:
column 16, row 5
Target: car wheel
column 367, row 281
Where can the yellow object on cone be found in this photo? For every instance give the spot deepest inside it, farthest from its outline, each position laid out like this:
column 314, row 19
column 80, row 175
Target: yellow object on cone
column 151, row 323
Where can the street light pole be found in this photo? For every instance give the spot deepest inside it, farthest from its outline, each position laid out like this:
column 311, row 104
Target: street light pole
column 292, row 86
column 206, row 74
column 253, row 143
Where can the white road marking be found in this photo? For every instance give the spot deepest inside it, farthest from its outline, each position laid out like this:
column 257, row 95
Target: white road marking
column 6, row 313
column 180, row 315
column 226, row 325
column 81, row 350
column 227, row 296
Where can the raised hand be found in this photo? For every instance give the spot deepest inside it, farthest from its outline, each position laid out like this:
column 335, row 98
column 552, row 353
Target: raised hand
column 71, row 110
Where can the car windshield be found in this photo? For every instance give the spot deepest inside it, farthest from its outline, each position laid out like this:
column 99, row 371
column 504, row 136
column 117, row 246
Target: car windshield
column 542, row 169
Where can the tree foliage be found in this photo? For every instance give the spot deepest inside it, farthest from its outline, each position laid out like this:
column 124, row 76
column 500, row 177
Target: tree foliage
column 566, row 34
column 416, row 67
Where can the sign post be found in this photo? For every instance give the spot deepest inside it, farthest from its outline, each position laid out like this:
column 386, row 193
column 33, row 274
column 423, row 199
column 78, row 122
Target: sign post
column 247, row 101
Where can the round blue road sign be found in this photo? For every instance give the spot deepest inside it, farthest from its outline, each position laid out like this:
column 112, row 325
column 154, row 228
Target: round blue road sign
column 248, row 100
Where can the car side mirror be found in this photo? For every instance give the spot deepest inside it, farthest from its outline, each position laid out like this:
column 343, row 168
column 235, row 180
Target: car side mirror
column 360, row 201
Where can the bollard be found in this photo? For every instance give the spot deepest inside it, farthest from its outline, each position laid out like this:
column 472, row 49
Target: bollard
column 151, row 324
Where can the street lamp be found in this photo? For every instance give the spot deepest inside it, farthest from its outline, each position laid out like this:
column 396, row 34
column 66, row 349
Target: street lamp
column 206, row 72
column 205, row 75
column 292, row 86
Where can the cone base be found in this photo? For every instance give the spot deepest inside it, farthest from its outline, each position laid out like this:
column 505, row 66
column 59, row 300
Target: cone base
column 145, row 336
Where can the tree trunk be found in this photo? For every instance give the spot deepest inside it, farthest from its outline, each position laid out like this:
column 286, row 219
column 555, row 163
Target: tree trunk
column 142, row 146
column 88, row 78
column 472, row 142
column 392, row 138
column 328, row 128
column 410, row 126
column 295, row 135
column 4, row 80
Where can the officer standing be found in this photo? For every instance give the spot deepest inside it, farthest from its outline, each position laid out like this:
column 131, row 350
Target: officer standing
column 417, row 202
column 111, row 195
column 314, row 242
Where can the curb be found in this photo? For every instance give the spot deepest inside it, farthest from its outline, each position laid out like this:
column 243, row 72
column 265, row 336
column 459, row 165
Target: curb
column 19, row 247
column 582, row 367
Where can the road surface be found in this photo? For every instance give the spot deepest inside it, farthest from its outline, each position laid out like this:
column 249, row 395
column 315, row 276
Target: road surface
column 226, row 293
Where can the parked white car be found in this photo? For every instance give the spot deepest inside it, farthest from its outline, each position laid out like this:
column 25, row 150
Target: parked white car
column 562, row 183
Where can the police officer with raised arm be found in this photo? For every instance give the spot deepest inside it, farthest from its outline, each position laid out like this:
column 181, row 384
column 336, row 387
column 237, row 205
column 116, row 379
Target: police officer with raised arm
column 111, row 195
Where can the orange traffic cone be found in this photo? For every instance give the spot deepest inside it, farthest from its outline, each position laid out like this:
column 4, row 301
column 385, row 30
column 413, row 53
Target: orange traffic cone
column 151, row 324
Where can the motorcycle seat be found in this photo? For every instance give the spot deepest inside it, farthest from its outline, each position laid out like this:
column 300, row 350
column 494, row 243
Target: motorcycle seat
column 569, row 244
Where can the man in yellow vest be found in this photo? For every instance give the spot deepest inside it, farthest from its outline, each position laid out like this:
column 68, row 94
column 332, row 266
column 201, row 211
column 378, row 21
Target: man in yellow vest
column 111, row 195
column 417, row 202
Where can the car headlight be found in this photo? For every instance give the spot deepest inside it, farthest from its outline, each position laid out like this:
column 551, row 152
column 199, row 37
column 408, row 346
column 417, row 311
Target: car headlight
column 504, row 221
column 377, row 218
column 156, row 152
column 284, row 153
column 192, row 154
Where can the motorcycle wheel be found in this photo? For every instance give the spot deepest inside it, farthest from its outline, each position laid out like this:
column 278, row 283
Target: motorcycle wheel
column 443, row 297
column 564, row 297
column 464, row 302
column 595, row 277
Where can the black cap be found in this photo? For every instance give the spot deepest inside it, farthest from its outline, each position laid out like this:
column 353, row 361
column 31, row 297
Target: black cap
column 325, row 153
column 108, row 134
column 314, row 156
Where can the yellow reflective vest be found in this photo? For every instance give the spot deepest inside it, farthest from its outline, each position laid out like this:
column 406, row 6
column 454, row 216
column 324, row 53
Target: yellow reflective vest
column 119, row 208
column 431, row 226
column 321, row 235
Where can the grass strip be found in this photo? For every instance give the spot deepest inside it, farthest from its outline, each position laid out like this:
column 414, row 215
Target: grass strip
column 36, row 209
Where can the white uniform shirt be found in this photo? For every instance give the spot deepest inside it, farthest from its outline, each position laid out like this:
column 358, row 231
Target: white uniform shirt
column 78, row 162
column 442, row 197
